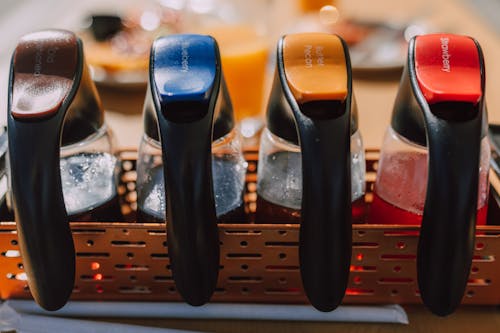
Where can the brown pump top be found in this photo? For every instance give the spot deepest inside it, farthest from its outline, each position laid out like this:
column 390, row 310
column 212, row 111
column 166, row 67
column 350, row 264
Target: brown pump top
column 44, row 67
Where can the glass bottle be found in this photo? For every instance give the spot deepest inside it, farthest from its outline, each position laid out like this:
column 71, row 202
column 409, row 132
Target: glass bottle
column 434, row 162
column 62, row 165
column 311, row 160
column 191, row 170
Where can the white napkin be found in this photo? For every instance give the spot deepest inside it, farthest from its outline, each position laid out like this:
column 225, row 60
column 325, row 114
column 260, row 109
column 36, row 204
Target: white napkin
column 347, row 313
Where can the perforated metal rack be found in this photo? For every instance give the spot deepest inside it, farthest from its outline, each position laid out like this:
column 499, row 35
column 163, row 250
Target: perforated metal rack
column 259, row 262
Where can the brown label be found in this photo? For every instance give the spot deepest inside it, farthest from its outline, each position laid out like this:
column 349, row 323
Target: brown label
column 44, row 64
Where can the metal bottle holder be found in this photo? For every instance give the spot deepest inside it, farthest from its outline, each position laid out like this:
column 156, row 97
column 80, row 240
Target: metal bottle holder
column 127, row 261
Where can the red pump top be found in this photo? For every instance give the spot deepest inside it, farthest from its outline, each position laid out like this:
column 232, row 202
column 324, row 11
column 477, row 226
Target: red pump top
column 448, row 68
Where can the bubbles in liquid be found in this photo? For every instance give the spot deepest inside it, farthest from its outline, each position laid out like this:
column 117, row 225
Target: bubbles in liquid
column 402, row 180
column 280, row 175
column 155, row 201
column 88, row 180
column 229, row 182
column 280, row 178
column 357, row 177
column 228, row 173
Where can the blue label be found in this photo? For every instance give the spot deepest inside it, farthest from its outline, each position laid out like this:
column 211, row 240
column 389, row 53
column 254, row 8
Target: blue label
column 184, row 68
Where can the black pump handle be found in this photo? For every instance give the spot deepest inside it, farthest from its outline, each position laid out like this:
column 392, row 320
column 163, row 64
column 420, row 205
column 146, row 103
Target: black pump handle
column 325, row 230
column 44, row 234
column 186, row 131
column 447, row 233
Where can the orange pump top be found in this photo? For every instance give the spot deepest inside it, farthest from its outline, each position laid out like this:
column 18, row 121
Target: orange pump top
column 315, row 67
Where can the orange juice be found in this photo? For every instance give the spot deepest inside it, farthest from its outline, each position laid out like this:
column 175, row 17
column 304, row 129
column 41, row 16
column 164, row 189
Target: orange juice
column 244, row 59
column 314, row 5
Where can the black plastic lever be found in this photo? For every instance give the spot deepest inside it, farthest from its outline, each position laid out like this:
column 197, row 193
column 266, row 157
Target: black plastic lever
column 324, row 131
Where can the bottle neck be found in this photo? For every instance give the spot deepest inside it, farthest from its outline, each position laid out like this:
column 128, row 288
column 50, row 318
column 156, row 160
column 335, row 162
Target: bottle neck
column 221, row 141
column 279, row 116
column 93, row 140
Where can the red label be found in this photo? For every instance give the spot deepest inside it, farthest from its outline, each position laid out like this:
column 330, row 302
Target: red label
column 448, row 68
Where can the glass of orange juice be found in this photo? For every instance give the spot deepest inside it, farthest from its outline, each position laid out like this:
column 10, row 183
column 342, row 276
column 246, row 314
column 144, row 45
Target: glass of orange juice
column 244, row 59
column 244, row 43
column 314, row 5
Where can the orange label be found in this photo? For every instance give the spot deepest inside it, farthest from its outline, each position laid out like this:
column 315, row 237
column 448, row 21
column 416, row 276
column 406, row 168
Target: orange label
column 315, row 67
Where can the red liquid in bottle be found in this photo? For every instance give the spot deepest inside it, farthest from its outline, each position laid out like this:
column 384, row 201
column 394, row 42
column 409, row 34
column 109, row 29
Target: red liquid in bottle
column 403, row 180
column 383, row 212
column 358, row 210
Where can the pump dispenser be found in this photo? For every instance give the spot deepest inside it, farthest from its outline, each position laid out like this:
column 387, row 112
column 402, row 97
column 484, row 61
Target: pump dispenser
column 62, row 165
column 191, row 170
column 309, row 151
column 434, row 162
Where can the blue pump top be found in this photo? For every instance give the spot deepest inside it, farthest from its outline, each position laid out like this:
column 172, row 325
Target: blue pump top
column 184, row 68
column 186, row 82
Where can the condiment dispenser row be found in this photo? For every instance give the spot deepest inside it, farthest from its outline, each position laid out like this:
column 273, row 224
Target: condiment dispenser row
column 433, row 168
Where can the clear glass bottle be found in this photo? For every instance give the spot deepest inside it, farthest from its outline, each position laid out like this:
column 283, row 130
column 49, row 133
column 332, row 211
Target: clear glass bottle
column 307, row 173
column 279, row 182
column 228, row 174
column 89, row 176
column 434, row 161
column 62, row 166
column 191, row 170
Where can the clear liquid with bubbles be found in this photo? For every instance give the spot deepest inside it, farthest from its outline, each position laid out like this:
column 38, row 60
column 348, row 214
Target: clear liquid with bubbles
column 280, row 188
column 279, row 184
column 228, row 173
column 89, row 186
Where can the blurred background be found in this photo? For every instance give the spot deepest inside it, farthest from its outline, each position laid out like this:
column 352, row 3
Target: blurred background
column 117, row 36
